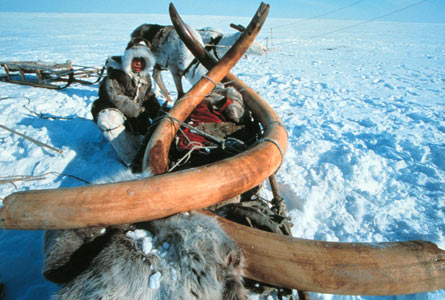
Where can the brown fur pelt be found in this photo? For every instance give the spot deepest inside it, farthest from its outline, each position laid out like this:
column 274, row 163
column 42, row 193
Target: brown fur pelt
column 235, row 112
column 192, row 259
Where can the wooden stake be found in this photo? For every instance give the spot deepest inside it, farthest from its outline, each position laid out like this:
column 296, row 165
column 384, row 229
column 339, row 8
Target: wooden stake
column 31, row 139
column 271, row 38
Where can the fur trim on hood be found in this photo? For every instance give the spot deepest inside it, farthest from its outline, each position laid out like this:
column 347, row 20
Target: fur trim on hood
column 138, row 47
column 114, row 62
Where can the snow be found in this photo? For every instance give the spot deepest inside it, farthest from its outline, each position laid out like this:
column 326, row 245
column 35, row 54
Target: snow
column 364, row 109
column 155, row 280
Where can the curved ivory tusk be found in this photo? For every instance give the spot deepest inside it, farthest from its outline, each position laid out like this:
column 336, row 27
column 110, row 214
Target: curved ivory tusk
column 150, row 198
column 156, row 154
column 252, row 99
column 326, row 267
column 391, row 268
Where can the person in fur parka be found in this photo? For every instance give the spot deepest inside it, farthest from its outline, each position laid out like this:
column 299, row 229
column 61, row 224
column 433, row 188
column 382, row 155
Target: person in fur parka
column 126, row 105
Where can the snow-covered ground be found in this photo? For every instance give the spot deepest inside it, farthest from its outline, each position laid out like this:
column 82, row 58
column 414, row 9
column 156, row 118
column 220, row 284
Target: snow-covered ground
column 364, row 109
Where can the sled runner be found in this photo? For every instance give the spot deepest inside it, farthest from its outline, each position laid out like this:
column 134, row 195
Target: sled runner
column 48, row 75
column 338, row 268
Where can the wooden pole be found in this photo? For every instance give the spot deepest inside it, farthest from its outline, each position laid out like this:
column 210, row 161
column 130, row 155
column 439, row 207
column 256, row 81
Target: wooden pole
column 271, row 38
column 43, row 145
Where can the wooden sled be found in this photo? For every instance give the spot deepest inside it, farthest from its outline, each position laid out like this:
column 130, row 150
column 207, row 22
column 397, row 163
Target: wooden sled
column 338, row 268
column 48, row 75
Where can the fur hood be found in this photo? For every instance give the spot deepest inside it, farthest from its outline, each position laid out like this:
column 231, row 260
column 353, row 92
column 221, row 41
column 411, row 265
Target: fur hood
column 138, row 48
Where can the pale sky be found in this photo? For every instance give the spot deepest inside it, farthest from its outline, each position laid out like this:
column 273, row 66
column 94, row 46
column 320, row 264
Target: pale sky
column 392, row 10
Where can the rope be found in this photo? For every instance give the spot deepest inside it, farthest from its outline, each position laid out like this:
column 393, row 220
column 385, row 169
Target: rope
column 274, row 123
column 211, row 80
column 47, row 117
column 200, row 132
column 111, row 129
column 276, row 144
column 42, row 115
column 187, row 156
column 229, row 83
column 228, row 144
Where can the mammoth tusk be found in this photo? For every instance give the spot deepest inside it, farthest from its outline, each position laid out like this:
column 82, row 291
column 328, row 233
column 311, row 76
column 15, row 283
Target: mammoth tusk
column 338, row 268
column 156, row 154
column 391, row 268
column 150, row 198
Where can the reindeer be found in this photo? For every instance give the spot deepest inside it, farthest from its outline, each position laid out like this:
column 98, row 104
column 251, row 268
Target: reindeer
column 173, row 55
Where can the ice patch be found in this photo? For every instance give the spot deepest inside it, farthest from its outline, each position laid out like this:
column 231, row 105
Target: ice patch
column 143, row 240
column 137, row 234
column 155, row 280
column 147, row 245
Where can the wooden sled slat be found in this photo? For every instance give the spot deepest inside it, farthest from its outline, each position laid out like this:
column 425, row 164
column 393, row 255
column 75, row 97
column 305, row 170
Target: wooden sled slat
column 32, row 66
column 48, row 75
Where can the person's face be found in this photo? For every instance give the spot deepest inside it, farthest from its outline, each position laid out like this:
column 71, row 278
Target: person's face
column 137, row 64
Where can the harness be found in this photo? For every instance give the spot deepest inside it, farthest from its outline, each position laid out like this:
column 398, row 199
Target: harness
column 210, row 46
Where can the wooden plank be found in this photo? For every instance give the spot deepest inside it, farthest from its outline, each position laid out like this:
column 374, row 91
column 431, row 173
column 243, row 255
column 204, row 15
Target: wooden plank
column 7, row 71
column 31, row 66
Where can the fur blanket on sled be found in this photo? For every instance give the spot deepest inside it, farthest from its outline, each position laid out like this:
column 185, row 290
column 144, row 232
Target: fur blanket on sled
column 186, row 256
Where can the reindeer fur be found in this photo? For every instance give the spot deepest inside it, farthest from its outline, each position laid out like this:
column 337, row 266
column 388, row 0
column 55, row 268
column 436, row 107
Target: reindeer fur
column 201, row 262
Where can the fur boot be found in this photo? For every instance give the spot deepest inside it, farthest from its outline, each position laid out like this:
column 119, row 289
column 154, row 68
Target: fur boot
column 111, row 122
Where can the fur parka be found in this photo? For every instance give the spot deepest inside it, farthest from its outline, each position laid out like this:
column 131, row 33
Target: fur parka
column 131, row 93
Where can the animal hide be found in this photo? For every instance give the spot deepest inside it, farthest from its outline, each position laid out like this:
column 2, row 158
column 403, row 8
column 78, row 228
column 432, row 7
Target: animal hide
column 190, row 257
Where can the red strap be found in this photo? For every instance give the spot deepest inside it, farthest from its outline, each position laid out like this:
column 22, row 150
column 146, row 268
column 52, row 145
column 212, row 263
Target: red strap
column 203, row 113
column 185, row 137
column 226, row 104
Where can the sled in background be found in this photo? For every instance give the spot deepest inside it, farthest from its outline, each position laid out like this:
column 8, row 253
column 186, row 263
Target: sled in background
column 48, row 75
